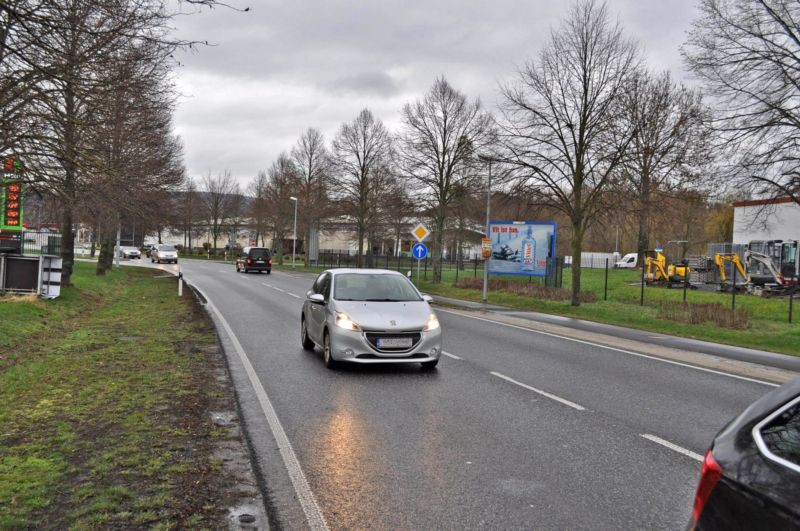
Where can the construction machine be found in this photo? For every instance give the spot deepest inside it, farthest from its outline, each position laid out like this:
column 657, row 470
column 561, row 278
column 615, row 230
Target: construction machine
column 773, row 266
column 657, row 270
column 720, row 260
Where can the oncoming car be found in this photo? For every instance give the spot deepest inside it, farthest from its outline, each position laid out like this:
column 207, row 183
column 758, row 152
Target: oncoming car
column 129, row 252
column 164, row 253
column 370, row 316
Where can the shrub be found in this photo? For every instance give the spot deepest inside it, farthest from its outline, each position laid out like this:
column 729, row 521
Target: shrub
column 704, row 312
column 530, row 289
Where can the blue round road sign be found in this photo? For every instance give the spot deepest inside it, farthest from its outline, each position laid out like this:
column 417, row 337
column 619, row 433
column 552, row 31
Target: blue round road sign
column 419, row 251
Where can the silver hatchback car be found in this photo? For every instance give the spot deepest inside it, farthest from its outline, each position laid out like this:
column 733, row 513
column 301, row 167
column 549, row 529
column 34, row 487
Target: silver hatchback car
column 370, row 316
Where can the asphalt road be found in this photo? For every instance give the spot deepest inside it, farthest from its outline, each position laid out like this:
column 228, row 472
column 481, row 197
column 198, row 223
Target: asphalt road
column 516, row 429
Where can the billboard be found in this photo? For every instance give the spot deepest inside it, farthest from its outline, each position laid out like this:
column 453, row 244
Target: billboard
column 521, row 247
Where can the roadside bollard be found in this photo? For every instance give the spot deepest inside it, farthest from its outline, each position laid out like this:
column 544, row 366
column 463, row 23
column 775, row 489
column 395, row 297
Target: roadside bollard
column 180, row 284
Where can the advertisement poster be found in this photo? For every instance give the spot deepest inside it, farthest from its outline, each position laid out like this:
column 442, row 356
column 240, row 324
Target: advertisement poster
column 521, row 247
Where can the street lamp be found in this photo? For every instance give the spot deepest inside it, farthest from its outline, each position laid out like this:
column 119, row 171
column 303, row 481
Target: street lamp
column 294, row 230
column 488, row 206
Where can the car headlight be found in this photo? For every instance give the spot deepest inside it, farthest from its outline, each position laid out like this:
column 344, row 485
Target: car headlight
column 343, row 321
column 432, row 324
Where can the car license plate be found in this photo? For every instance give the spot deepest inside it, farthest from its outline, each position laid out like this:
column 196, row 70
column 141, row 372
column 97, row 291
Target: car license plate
column 259, row 261
column 394, row 342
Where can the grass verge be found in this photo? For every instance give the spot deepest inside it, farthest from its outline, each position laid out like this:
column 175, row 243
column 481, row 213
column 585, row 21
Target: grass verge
column 105, row 396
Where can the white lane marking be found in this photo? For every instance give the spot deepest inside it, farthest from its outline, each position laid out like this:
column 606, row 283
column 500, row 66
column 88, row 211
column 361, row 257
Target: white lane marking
column 673, row 446
column 314, row 516
column 543, row 393
column 281, row 290
column 451, row 355
column 638, row 354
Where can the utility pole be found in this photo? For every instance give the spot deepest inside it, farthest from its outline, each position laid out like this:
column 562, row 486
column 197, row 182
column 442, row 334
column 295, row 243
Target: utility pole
column 486, row 261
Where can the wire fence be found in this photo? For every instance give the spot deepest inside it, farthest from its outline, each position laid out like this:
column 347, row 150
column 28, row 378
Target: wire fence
column 47, row 243
column 455, row 266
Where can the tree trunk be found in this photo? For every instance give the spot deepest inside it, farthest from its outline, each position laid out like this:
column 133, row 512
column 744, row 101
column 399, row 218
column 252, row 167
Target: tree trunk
column 577, row 249
column 67, row 247
column 105, row 258
column 438, row 246
column 360, row 235
column 643, row 239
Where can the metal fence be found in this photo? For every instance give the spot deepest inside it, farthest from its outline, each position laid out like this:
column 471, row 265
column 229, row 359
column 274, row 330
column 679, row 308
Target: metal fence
column 461, row 266
column 48, row 243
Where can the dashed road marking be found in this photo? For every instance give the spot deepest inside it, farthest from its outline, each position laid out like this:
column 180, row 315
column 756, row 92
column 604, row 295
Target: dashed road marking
column 623, row 351
column 672, row 446
column 551, row 396
column 451, row 355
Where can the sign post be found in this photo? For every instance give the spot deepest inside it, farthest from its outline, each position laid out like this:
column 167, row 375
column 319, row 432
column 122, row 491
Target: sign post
column 419, row 250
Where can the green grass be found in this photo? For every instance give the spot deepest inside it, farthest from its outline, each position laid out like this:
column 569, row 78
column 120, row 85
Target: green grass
column 102, row 412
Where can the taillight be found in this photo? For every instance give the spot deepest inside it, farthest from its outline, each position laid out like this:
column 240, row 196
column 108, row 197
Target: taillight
column 249, row 260
column 709, row 476
column 269, row 261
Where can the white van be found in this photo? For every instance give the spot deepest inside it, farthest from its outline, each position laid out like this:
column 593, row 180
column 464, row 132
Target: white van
column 628, row 261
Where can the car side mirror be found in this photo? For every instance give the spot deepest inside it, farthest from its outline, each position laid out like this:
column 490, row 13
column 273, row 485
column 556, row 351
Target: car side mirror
column 427, row 298
column 316, row 298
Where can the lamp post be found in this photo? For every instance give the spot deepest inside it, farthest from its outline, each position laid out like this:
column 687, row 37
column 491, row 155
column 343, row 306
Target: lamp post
column 488, row 207
column 294, row 230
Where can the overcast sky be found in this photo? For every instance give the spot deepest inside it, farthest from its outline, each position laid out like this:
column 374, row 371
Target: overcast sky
column 285, row 66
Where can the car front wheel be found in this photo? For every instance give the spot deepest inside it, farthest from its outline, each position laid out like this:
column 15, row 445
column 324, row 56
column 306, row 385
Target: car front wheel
column 326, row 352
column 304, row 339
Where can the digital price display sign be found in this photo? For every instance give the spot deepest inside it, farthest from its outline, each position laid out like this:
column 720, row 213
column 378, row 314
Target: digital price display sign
column 11, row 195
column 11, row 212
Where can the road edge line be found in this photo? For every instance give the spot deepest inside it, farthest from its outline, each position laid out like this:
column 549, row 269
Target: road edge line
column 308, row 502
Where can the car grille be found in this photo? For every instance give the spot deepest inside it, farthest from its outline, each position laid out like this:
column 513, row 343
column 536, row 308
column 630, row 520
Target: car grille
column 373, row 338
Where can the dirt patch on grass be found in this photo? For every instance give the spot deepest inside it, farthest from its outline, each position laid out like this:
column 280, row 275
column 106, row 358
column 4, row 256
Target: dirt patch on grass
column 702, row 313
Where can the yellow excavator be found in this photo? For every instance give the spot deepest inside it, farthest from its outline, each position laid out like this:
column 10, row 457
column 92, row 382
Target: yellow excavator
column 720, row 259
column 657, row 270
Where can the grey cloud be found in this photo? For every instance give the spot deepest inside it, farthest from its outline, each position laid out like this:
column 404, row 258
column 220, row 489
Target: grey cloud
column 344, row 55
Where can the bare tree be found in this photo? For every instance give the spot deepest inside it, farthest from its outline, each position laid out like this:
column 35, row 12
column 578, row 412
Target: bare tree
column 216, row 197
column 54, row 57
column 259, row 207
column 359, row 150
column 311, row 164
column 441, row 138
column 284, row 182
column 559, row 129
column 748, row 55
column 188, row 212
column 670, row 142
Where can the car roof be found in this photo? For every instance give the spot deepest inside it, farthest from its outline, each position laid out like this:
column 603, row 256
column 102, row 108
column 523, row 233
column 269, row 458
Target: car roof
column 353, row 270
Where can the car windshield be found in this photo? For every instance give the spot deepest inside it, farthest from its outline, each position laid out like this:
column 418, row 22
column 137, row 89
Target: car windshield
column 167, row 248
column 373, row 287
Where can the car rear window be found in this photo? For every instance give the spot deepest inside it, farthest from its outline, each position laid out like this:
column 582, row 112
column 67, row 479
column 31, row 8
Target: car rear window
column 782, row 435
column 259, row 254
